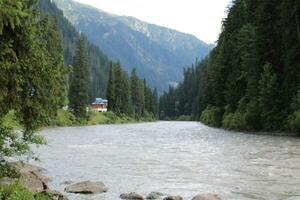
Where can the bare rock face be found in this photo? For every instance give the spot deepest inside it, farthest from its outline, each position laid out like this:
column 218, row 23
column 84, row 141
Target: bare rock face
column 207, row 197
column 131, row 196
column 87, row 187
column 173, row 198
column 155, row 195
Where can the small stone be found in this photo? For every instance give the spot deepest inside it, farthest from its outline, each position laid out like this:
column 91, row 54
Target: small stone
column 207, row 197
column 131, row 196
column 154, row 195
column 173, row 198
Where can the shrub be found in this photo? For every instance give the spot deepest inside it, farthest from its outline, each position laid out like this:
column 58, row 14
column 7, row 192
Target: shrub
column 18, row 192
column 211, row 116
column 64, row 118
column 294, row 121
column 10, row 120
column 234, row 120
column 184, row 118
column 97, row 118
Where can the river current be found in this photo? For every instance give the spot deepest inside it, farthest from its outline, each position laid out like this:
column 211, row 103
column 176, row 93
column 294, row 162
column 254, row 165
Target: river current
column 177, row 158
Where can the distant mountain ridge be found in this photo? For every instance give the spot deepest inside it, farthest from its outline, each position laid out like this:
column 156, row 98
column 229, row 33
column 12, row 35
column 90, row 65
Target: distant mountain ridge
column 158, row 53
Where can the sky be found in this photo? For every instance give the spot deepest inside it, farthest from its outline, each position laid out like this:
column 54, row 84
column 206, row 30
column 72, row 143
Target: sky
column 202, row 18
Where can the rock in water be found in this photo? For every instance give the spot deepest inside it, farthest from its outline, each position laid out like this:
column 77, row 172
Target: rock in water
column 67, row 182
column 173, row 198
column 86, row 187
column 55, row 195
column 207, row 197
column 131, row 196
column 154, row 195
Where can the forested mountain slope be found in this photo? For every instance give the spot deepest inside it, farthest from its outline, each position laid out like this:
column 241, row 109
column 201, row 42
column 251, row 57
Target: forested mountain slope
column 159, row 54
column 251, row 79
column 98, row 61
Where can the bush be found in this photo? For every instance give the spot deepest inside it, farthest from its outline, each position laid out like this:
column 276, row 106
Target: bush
column 184, row 118
column 112, row 117
column 294, row 121
column 234, row 120
column 211, row 116
column 64, row 118
column 98, row 118
column 10, row 120
column 18, row 192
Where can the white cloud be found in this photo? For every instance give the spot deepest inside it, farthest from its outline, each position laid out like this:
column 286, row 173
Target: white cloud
column 198, row 17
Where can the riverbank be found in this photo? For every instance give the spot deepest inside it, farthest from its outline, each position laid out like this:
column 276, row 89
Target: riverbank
column 27, row 183
column 66, row 118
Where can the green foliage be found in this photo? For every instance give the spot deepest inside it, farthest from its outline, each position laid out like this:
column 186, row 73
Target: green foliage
column 79, row 81
column 138, row 94
column 32, row 76
column 252, row 74
column 18, row 192
column 268, row 96
column 64, row 118
column 10, row 120
column 111, row 88
column 96, row 59
column 211, row 116
column 294, row 118
column 184, row 118
column 130, row 96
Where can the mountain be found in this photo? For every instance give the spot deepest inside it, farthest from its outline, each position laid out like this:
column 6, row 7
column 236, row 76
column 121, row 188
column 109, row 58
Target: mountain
column 158, row 53
column 97, row 60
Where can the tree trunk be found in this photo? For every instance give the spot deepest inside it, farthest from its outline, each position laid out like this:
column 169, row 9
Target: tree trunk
column 297, row 14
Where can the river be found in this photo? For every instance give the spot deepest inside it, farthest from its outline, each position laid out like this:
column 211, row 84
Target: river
column 178, row 158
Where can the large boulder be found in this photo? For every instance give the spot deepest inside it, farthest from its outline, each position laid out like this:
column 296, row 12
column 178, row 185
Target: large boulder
column 207, row 197
column 155, row 195
column 30, row 177
column 33, row 182
column 173, row 198
column 131, row 196
column 25, row 167
column 87, row 187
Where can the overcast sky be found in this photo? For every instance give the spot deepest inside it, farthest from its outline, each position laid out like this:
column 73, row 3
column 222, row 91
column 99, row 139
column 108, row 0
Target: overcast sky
column 201, row 18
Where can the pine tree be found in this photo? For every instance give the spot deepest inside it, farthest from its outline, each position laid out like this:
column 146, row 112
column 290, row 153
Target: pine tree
column 111, row 88
column 134, row 92
column 79, row 86
column 154, row 103
column 31, row 72
column 268, row 97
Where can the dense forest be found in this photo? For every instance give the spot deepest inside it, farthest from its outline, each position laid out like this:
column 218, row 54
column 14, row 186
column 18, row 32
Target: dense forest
column 98, row 62
column 250, row 80
column 130, row 95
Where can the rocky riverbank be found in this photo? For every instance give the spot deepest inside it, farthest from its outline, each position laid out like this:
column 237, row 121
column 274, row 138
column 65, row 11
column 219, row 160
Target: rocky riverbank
column 33, row 180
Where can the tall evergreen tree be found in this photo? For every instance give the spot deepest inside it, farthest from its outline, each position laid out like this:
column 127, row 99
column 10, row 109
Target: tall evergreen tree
column 111, row 88
column 31, row 72
column 79, row 85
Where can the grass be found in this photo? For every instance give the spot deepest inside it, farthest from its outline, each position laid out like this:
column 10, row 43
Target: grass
column 18, row 192
column 66, row 118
